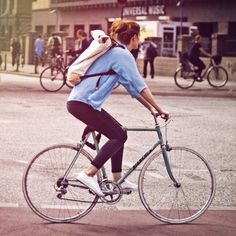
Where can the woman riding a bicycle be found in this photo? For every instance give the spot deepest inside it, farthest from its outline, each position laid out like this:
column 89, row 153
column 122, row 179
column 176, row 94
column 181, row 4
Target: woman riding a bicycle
column 85, row 101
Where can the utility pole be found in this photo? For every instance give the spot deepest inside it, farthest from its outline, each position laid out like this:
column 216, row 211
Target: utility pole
column 122, row 3
column 180, row 5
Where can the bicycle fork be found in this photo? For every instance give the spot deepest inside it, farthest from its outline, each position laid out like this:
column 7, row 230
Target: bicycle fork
column 165, row 148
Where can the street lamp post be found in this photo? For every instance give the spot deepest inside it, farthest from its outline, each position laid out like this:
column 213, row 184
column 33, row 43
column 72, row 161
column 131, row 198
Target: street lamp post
column 180, row 5
column 56, row 12
column 122, row 3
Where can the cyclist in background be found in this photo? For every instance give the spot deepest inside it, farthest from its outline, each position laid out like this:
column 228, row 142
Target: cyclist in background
column 194, row 56
column 54, row 45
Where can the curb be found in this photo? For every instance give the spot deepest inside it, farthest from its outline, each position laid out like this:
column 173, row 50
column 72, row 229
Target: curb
column 165, row 86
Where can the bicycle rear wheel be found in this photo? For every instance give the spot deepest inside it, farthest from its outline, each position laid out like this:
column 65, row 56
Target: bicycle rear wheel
column 49, row 195
column 183, row 80
column 176, row 204
column 52, row 79
column 217, row 76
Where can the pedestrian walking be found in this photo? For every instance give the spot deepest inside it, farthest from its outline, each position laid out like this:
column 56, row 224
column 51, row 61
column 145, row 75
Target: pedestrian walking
column 135, row 52
column 0, row 60
column 81, row 43
column 38, row 52
column 15, row 50
column 150, row 52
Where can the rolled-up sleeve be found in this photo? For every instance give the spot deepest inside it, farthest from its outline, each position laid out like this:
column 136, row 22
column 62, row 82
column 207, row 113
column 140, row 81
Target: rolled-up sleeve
column 129, row 76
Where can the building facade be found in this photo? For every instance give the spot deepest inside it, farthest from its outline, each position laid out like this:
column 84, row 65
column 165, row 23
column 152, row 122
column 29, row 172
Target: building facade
column 15, row 20
column 164, row 20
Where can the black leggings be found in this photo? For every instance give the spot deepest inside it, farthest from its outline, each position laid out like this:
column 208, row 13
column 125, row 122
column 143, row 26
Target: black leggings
column 152, row 72
column 105, row 124
column 199, row 63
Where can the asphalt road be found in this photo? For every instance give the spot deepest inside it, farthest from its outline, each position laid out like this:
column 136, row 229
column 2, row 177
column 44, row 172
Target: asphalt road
column 32, row 119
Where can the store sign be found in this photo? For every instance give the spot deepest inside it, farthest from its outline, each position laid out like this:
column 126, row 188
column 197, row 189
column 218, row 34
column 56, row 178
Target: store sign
column 155, row 10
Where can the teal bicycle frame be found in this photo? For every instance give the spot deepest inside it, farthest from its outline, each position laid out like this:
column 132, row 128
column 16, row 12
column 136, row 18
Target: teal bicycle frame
column 164, row 149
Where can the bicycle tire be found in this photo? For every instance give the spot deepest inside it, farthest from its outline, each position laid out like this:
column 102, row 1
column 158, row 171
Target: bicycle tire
column 52, row 79
column 183, row 82
column 43, row 175
column 68, row 83
column 170, row 203
column 217, row 76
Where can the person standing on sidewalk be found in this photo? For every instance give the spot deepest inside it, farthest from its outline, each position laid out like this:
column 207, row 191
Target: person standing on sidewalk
column 0, row 60
column 15, row 50
column 86, row 100
column 150, row 52
column 38, row 52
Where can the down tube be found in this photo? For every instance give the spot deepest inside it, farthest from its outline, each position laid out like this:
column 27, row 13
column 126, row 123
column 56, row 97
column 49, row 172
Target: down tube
column 146, row 154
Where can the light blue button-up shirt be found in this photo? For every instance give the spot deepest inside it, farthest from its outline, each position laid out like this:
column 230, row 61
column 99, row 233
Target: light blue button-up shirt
column 123, row 63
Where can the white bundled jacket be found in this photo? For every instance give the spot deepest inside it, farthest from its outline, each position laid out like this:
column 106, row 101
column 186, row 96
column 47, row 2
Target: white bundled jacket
column 98, row 47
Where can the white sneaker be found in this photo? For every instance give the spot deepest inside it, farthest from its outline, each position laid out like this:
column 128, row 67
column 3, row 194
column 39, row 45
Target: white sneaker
column 127, row 185
column 90, row 182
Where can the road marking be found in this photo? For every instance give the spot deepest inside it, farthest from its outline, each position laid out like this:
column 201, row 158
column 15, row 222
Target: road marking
column 7, row 204
column 120, row 208
column 46, row 206
column 9, row 121
column 124, row 208
column 22, row 161
column 222, row 208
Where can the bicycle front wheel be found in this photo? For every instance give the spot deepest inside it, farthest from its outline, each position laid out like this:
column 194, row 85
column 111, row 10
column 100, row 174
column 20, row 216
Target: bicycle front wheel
column 68, row 83
column 169, row 202
column 49, row 194
column 52, row 79
column 217, row 76
column 183, row 79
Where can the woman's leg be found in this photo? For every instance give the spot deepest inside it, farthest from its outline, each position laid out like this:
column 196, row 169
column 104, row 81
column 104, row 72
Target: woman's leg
column 145, row 68
column 152, row 67
column 104, row 123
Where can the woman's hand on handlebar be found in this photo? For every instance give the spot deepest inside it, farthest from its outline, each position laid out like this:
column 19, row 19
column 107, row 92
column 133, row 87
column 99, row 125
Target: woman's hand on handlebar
column 163, row 114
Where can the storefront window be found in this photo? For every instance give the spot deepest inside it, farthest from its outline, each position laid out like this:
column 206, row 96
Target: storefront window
column 232, row 28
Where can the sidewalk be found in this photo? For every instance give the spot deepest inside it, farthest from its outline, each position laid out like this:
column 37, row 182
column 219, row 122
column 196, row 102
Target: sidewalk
column 160, row 85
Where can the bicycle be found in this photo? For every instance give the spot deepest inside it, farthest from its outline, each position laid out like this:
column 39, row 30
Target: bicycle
column 185, row 75
column 54, row 77
column 176, row 184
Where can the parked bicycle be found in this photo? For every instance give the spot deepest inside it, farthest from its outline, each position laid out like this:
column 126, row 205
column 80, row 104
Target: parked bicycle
column 54, row 77
column 176, row 184
column 185, row 75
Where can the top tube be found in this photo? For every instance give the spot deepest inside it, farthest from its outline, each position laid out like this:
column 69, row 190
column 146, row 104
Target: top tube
column 157, row 127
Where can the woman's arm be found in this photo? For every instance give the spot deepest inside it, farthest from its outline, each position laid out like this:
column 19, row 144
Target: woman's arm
column 149, row 102
column 204, row 52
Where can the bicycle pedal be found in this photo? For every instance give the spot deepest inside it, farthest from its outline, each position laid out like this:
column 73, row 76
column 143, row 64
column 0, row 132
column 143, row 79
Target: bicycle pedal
column 126, row 191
